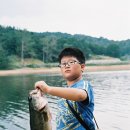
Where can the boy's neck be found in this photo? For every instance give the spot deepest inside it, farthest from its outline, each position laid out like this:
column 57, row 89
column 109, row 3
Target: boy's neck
column 70, row 83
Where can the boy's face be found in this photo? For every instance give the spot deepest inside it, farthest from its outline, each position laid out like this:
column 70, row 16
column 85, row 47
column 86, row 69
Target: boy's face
column 71, row 68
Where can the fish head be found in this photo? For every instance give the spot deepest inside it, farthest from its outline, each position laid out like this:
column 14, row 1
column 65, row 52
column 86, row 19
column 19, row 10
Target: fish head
column 37, row 99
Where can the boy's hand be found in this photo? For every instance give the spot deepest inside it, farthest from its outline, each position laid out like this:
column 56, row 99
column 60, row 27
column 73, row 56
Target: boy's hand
column 42, row 86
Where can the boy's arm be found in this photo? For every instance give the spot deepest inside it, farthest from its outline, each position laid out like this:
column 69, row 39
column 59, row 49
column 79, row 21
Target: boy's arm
column 67, row 93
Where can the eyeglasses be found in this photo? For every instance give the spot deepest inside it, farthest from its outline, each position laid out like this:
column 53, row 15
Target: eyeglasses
column 70, row 63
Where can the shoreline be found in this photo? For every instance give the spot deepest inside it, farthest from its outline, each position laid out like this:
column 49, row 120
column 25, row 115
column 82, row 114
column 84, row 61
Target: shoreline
column 56, row 70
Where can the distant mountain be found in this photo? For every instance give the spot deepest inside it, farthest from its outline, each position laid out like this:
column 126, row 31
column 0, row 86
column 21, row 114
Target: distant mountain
column 46, row 46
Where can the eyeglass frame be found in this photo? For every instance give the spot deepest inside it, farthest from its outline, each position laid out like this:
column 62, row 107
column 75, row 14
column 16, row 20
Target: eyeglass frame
column 69, row 63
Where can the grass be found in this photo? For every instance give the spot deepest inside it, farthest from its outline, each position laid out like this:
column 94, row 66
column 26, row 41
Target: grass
column 94, row 61
column 105, row 60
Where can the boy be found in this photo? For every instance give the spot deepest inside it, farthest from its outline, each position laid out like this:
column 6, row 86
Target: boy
column 78, row 92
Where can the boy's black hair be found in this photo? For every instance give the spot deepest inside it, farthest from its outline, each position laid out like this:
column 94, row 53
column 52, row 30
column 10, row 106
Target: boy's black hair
column 75, row 52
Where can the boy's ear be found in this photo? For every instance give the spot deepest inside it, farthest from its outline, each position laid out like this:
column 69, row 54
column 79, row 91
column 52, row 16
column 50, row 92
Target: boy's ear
column 83, row 67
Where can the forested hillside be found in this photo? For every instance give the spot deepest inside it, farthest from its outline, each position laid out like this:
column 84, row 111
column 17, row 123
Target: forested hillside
column 20, row 44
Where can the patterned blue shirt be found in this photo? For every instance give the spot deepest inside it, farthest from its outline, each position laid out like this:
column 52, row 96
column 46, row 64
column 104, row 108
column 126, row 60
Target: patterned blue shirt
column 65, row 118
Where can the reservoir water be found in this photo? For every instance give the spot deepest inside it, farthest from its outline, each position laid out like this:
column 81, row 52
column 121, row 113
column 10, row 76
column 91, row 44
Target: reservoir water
column 112, row 99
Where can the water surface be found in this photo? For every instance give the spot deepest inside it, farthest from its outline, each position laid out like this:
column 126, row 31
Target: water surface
column 112, row 99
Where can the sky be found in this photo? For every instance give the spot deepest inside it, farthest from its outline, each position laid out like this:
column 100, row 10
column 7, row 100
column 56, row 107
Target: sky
column 97, row 18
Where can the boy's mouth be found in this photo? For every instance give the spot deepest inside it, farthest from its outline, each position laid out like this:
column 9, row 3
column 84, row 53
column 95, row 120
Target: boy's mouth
column 67, row 71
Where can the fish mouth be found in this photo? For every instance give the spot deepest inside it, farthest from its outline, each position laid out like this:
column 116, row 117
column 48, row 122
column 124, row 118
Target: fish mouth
column 29, row 98
column 42, row 109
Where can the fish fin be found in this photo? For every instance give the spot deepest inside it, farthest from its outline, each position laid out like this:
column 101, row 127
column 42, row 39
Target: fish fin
column 47, row 116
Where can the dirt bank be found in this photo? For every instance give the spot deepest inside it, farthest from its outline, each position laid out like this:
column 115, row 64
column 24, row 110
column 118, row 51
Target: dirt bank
column 57, row 70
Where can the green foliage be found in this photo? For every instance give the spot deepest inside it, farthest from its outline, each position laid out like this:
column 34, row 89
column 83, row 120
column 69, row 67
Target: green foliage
column 113, row 50
column 4, row 60
column 125, row 47
column 46, row 46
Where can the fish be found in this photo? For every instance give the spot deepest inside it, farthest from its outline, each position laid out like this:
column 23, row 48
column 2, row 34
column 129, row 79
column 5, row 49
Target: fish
column 40, row 115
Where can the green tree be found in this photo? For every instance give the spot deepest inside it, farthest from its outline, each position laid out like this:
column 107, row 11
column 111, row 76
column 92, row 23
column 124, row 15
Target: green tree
column 113, row 50
column 4, row 61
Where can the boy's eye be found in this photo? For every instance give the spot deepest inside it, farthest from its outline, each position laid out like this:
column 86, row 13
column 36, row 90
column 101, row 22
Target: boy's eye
column 63, row 64
column 71, row 62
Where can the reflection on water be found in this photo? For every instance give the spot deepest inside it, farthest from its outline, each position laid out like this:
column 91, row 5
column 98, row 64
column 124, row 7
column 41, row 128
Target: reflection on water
column 112, row 99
